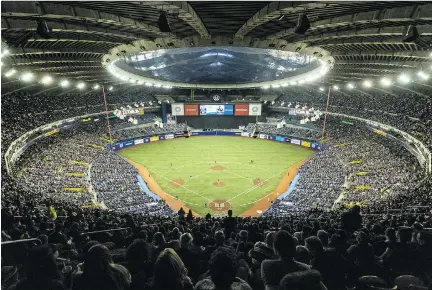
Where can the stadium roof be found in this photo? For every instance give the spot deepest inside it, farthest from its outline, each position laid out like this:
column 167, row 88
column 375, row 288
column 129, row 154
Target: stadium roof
column 363, row 38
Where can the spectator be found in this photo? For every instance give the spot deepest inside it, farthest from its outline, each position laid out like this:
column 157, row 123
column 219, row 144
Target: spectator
column 41, row 271
column 137, row 257
column 100, row 272
column 303, row 280
column 272, row 271
column 170, row 272
column 223, row 269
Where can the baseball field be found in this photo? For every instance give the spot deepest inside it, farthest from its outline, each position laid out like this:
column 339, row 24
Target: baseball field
column 214, row 174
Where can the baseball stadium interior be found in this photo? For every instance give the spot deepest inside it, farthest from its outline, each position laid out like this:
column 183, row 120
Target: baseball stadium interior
column 216, row 145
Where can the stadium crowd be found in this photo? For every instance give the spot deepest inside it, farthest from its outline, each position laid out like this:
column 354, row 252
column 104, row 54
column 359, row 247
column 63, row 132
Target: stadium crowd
column 409, row 112
column 139, row 243
column 76, row 166
column 271, row 129
column 150, row 131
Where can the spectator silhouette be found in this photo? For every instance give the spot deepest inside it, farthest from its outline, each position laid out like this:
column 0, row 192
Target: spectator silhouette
column 41, row 271
column 100, row 272
column 170, row 272
column 272, row 271
column 137, row 257
column 223, row 268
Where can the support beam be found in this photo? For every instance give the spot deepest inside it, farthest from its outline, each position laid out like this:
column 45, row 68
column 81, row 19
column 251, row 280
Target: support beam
column 79, row 34
column 346, row 26
column 29, row 50
column 183, row 11
column 102, row 22
column 274, row 10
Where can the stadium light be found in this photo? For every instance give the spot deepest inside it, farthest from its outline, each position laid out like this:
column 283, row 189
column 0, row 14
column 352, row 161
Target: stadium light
column 10, row 73
column 110, row 88
column 157, row 85
column 423, row 75
column 140, row 82
column 293, row 83
column 386, row 82
column 96, row 86
column 64, row 83
column 367, row 84
column 350, row 86
column 336, row 87
column 148, row 84
column 28, row 76
column 4, row 53
column 284, row 84
column 322, row 89
column 403, row 78
column 275, row 86
column 81, row 85
column 301, row 81
column 46, row 80
column 266, row 87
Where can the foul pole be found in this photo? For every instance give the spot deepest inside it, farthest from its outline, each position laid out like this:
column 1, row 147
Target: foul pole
column 106, row 111
column 325, row 115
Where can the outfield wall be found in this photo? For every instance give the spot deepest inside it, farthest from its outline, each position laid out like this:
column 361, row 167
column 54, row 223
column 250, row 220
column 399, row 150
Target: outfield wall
column 314, row 145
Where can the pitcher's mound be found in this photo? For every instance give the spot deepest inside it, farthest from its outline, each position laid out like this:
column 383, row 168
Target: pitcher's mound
column 219, row 184
column 219, row 205
column 259, row 182
column 176, row 183
column 218, row 167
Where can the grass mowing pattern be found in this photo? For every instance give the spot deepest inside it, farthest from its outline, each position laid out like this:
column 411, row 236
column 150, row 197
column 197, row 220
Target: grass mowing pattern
column 191, row 160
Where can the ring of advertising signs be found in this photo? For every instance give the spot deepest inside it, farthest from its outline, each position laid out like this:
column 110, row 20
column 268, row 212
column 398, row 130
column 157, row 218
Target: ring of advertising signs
column 306, row 144
column 121, row 145
column 296, row 141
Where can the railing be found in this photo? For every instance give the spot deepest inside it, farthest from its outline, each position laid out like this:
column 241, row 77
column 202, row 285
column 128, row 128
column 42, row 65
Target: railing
column 21, row 241
column 104, row 231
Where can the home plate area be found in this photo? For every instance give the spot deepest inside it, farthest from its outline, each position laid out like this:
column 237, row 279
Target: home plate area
column 219, row 205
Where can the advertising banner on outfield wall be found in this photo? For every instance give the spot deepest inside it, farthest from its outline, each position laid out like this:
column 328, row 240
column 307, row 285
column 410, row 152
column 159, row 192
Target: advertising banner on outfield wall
column 161, row 137
column 154, row 138
column 315, row 146
column 271, row 137
column 191, row 110
column 245, row 134
column 254, row 109
column 280, row 138
column 296, row 141
column 169, row 136
column 128, row 143
column 306, row 144
column 177, row 109
column 241, row 110
column 139, row 141
column 262, row 136
column 146, row 140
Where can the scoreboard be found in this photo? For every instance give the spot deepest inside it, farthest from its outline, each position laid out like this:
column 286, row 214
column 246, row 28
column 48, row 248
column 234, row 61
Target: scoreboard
column 250, row 109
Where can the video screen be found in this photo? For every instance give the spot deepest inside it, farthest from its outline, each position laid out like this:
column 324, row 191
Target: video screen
column 211, row 110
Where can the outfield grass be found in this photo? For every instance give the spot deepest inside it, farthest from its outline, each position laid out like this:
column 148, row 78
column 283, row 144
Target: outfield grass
column 192, row 159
